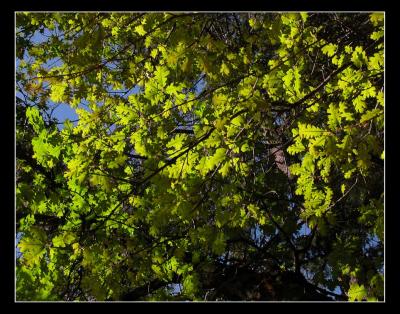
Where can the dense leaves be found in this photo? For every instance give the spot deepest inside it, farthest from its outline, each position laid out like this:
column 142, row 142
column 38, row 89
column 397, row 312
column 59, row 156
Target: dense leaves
column 214, row 156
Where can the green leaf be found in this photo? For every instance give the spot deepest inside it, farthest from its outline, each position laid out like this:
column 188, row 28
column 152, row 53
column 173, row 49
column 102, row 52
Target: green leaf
column 219, row 244
column 161, row 75
column 68, row 125
column 334, row 118
column 359, row 57
column 304, row 16
column 359, row 104
column 309, row 131
column 357, row 292
column 58, row 90
column 245, row 148
column 216, row 158
column 224, row 169
column 191, row 285
column 371, row 114
column 225, row 69
column 296, row 148
column 377, row 18
column 58, row 241
column 140, row 30
column 329, row 49
column 33, row 246
column 35, row 119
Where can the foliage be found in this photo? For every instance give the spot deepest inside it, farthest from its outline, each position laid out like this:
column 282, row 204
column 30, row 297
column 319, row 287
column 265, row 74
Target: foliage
column 232, row 155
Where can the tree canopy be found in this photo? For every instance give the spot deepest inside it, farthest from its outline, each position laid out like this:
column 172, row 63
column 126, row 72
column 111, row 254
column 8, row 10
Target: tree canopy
column 215, row 156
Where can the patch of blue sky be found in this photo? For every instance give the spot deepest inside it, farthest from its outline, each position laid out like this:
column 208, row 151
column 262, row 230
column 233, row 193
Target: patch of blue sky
column 304, row 230
column 258, row 236
column 19, row 94
column 125, row 92
column 337, row 290
column 51, row 63
column 18, row 252
column 176, row 288
column 372, row 241
column 62, row 112
column 41, row 37
column 201, row 85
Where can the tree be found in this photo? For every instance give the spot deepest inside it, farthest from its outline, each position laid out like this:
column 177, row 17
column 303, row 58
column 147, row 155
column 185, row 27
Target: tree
column 226, row 156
